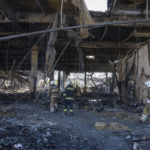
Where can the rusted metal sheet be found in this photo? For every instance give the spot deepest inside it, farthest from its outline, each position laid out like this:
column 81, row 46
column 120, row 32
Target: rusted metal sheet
column 136, row 67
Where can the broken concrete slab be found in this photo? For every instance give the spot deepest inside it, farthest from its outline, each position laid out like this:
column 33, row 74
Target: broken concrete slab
column 100, row 125
column 115, row 126
column 112, row 126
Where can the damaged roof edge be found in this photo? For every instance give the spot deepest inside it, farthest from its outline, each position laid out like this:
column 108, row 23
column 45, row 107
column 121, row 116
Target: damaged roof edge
column 111, row 4
column 85, row 17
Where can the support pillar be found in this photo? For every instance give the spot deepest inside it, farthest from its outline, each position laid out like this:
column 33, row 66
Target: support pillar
column 85, row 82
column 113, row 82
column 52, row 76
column 34, row 69
column 106, row 77
column 51, row 51
column 113, row 78
column 65, row 76
column 124, row 92
column 80, row 52
column 59, row 80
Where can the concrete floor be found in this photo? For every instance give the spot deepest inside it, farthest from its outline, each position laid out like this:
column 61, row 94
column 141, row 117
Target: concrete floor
column 70, row 132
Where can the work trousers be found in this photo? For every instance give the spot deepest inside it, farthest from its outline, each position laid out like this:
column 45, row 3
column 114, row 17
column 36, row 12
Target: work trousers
column 146, row 110
column 68, row 105
column 53, row 104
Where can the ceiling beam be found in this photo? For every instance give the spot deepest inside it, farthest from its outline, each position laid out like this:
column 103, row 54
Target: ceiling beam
column 87, row 67
column 115, row 45
column 141, row 34
column 129, row 12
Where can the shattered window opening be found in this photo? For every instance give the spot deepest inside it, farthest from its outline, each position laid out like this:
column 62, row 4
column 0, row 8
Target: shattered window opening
column 96, row 5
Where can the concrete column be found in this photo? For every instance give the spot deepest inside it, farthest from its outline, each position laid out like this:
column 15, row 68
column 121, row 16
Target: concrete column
column 85, row 83
column 124, row 92
column 80, row 52
column 34, row 69
column 106, row 76
column 52, row 76
column 85, row 80
column 65, row 75
column 59, row 80
column 113, row 78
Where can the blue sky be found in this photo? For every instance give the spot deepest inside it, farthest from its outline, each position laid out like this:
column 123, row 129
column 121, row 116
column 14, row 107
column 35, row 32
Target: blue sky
column 97, row 5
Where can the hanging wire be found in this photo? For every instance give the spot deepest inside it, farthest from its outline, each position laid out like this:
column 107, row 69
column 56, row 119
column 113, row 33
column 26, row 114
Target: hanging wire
column 7, row 51
column 53, row 67
column 105, row 31
column 147, row 9
column 41, row 39
column 30, row 50
column 119, row 44
column 61, row 13
column 42, row 9
column 75, row 27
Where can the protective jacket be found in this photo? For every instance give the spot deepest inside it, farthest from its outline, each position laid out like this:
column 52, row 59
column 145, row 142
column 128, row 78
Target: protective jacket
column 69, row 93
column 53, row 91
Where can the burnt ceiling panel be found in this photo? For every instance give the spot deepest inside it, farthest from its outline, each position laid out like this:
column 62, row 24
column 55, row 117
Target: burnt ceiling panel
column 131, row 4
column 111, row 33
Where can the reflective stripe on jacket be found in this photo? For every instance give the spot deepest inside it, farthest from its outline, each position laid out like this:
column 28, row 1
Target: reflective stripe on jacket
column 69, row 93
column 54, row 91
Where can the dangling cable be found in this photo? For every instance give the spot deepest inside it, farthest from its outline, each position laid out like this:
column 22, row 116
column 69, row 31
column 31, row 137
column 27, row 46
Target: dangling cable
column 146, row 9
column 61, row 14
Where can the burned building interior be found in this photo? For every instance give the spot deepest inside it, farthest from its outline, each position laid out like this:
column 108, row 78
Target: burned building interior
column 105, row 56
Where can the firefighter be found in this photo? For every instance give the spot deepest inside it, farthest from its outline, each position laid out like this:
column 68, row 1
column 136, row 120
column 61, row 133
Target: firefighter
column 146, row 110
column 68, row 99
column 53, row 92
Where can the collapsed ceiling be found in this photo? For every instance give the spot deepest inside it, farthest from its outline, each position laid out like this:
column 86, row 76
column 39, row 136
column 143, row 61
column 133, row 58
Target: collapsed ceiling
column 104, row 43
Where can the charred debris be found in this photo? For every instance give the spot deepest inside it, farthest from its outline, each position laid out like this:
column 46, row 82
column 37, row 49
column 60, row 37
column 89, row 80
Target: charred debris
column 104, row 55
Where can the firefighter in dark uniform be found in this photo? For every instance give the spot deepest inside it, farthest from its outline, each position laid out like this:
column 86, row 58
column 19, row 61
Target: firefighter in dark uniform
column 68, row 99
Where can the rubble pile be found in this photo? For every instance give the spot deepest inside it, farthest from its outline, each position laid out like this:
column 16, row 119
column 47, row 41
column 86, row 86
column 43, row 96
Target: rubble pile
column 41, row 138
column 95, row 104
column 139, row 142
column 29, row 126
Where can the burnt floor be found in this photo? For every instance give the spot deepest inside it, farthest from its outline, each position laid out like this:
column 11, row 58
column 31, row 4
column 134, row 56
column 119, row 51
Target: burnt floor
column 29, row 126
